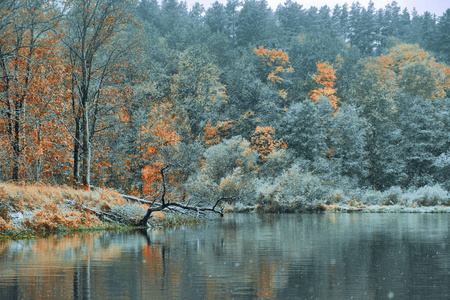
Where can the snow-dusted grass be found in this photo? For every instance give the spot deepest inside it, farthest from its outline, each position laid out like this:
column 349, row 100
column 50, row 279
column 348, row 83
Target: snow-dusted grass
column 295, row 195
column 44, row 209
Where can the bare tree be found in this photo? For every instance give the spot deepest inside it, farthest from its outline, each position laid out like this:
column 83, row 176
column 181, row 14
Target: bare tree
column 95, row 57
column 25, row 29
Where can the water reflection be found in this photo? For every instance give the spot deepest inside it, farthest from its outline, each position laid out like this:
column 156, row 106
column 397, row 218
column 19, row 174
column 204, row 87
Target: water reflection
column 330, row 256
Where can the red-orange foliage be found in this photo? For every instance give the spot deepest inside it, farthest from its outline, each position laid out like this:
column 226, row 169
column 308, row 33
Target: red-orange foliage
column 326, row 78
column 278, row 62
column 214, row 134
column 263, row 142
column 161, row 132
column 34, row 99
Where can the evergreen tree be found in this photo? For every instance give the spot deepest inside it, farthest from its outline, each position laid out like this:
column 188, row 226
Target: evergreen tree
column 292, row 18
column 253, row 22
column 216, row 17
column 442, row 46
column 424, row 128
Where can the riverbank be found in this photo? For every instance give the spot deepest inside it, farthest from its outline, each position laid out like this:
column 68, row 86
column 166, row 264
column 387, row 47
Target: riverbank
column 28, row 211
column 336, row 208
column 33, row 210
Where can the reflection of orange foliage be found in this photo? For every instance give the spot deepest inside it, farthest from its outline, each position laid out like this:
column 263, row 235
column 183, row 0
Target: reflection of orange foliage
column 152, row 263
column 214, row 287
column 263, row 142
column 265, row 283
column 214, row 134
column 326, row 78
column 56, row 258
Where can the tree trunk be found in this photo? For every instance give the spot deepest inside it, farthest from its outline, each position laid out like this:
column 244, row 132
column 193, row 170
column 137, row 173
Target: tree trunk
column 16, row 145
column 76, row 152
column 86, row 174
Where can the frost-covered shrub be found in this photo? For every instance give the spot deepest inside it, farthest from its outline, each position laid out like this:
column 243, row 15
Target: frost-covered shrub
column 371, row 197
column 292, row 189
column 201, row 188
column 228, row 170
column 129, row 213
column 222, row 159
column 275, row 163
column 393, row 195
column 442, row 165
column 237, row 184
column 336, row 196
column 427, row 196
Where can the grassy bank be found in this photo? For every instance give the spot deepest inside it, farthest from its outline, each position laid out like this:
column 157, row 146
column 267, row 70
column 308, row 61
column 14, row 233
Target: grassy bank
column 326, row 207
column 37, row 210
column 337, row 208
column 28, row 211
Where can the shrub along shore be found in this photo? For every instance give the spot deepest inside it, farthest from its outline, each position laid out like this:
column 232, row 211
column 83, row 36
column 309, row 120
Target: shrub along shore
column 38, row 210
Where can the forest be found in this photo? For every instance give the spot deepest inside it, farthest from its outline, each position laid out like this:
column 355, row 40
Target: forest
column 277, row 108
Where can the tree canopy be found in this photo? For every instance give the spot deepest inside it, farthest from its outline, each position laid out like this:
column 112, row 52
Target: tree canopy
column 108, row 92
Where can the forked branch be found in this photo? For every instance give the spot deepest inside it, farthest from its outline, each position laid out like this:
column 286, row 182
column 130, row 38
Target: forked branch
column 163, row 205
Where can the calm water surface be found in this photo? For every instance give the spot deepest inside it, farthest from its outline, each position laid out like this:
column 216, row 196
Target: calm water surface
column 327, row 256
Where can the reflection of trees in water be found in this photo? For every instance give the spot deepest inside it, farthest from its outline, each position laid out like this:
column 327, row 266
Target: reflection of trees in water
column 275, row 256
column 58, row 267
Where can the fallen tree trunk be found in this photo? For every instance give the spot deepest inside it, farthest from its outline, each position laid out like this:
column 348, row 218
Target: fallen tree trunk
column 163, row 205
column 99, row 213
column 144, row 220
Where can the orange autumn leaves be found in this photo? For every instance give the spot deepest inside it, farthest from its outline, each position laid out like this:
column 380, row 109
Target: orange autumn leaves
column 262, row 140
column 213, row 134
column 415, row 71
column 33, row 77
column 326, row 78
column 277, row 60
column 41, row 124
column 161, row 133
column 278, row 63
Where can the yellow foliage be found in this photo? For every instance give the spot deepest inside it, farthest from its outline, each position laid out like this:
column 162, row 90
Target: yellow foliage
column 417, row 70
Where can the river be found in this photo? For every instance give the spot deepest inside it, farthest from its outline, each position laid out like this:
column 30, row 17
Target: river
column 242, row 256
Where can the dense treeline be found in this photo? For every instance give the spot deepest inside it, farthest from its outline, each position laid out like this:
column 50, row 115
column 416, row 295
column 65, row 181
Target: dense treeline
column 294, row 105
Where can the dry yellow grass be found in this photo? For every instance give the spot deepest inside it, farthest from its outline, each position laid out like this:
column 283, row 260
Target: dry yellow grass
column 158, row 215
column 44, row 207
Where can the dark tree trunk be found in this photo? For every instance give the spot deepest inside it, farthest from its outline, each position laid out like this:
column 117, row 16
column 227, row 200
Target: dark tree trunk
column 76, row 152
